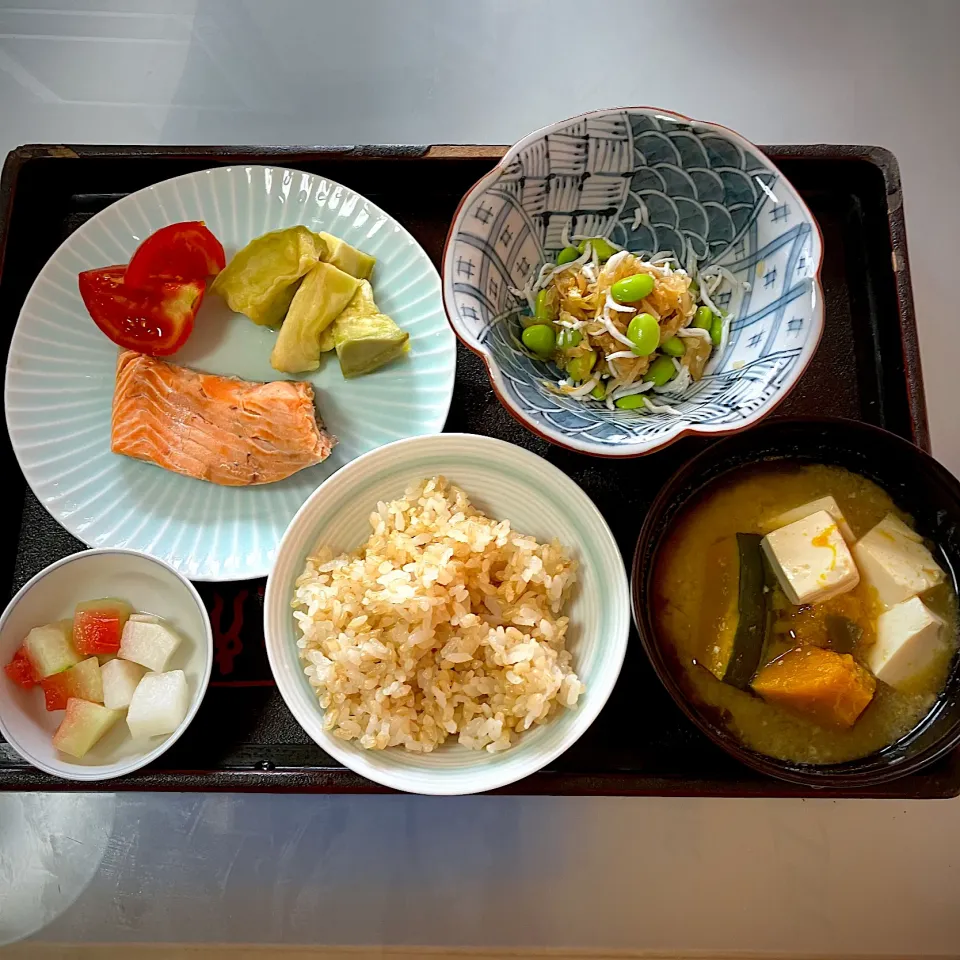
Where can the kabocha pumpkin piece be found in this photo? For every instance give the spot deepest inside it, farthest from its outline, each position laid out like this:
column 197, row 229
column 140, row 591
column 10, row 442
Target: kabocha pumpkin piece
column 830, row 688
column 733, row 619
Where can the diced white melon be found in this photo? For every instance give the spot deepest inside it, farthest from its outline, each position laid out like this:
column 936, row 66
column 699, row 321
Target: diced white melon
column 894, row 561
column 815, row 506
column 50, row 648
column 811, row 559
column 159, row 704
column 84, row 724
column 909, row 638
column 149, row 642
column 120, row 679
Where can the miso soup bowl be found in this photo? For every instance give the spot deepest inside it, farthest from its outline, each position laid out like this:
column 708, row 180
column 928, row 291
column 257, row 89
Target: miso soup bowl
column 915, row 482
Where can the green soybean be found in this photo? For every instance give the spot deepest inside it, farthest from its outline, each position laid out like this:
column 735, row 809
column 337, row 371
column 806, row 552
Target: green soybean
column 661, row 371
column 579, row 367
column 644, row 333
column 601, row 248
column 540, row 339
column 599, row 392
column 566, row 338
column 547, row 306
column 716, row 331
column 567, row 255
column 632, row 402
column 632, row 289
column 673, row 347
column 703, row 318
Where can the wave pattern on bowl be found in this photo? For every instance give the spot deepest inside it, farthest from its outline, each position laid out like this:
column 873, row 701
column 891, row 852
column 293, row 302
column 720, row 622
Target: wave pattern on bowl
column 651, row 182
column 61, row 372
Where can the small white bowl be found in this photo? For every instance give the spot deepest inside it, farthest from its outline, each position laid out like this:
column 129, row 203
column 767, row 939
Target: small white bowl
column 150, row 586
column 506, row 482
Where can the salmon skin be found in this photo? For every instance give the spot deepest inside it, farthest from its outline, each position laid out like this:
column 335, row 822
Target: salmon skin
column 222, row 429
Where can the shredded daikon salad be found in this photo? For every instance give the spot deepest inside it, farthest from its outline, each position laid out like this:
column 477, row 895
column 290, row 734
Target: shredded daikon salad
column 621, row 326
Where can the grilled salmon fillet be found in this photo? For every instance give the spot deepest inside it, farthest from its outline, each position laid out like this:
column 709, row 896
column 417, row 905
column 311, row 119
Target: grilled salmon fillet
column 228, row 431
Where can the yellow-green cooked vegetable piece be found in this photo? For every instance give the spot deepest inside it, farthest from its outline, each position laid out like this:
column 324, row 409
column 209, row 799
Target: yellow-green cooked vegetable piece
column 632, row 402
column 643, row 332
column 632, row 289
column 567, row 255
column 601, row 248
column 322, row 296
column 703, row 318
column 599, row 392
column 539, row 339
column 365, row 338
column 259, row 280
column 579, row 367
column 346, row 258
column 673, row 347
column 661, row 371
column 716, row 331
column 547, row 305
column 567, row 339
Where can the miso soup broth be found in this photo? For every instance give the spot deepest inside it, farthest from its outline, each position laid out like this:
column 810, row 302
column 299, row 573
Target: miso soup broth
column 689, row 586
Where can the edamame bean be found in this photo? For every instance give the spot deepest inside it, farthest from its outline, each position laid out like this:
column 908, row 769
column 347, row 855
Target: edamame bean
column 566, row 338
column 567, row 255
column 673, row 347
column 644, row 333
column 661, row 371
column 599, row 392
column 601, row 248
column 539, row 339
column 632, row 289
column 547, row 306
column 703, row 318
column 716, row 331
column 579, row 367
column 632, row 402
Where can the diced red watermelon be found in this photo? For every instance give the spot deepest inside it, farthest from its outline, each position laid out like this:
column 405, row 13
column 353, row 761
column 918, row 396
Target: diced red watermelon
column 21, row 671
column 98, row 625
column 81, row 681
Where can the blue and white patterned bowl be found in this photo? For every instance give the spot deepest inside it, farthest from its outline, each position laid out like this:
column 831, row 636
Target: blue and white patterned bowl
column 649, row 180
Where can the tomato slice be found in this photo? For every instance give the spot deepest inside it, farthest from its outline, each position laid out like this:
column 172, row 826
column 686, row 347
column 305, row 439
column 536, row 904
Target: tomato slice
column 179, row 251
column 155, row 320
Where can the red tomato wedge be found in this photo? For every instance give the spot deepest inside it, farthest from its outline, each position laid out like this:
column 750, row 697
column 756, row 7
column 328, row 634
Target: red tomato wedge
column 180, row 251
column 20, row 670
column 155, row 320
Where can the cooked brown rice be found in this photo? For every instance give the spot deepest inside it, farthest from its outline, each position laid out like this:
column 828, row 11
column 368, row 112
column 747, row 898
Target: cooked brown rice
column 444, row 622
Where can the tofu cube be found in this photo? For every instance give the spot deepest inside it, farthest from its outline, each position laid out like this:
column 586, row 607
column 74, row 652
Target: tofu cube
column 811, row 559
column 815, row 506
column 159, row 704
column 894, row 561
column 148, row 642
column 120, row 679
column 909, row 637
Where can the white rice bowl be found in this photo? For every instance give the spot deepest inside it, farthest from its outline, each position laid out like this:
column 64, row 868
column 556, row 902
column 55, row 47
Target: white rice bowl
column 556, row 623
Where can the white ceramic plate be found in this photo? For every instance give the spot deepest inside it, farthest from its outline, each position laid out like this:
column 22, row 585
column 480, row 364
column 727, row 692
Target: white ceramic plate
column 60, row 372
column 151, row 587
column 506, row 482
